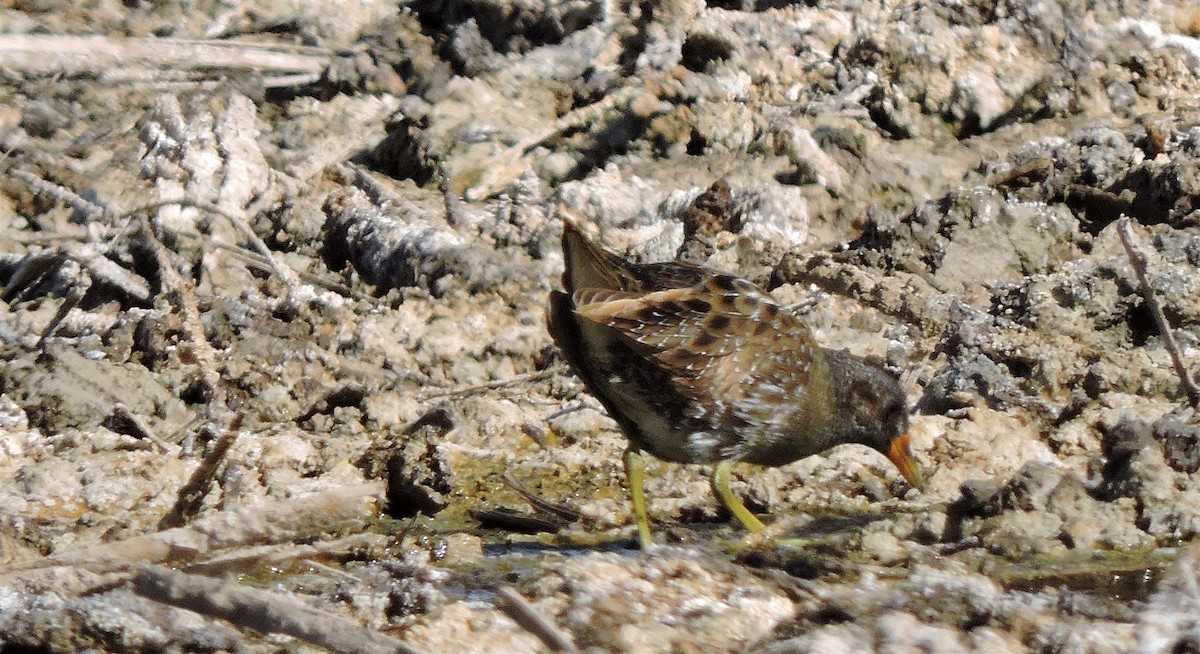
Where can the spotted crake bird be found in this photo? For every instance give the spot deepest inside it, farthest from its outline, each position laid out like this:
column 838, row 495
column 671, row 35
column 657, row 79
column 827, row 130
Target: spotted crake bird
column 699, row 366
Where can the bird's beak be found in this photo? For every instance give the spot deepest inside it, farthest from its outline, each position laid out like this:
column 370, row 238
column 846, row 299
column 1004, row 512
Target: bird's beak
column 901, row 455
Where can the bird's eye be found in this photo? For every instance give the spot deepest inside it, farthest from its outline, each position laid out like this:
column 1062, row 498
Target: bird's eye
column 893, row 413
column 865, row 393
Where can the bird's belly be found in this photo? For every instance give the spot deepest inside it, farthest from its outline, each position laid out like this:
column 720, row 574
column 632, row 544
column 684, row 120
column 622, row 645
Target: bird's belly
column 660, row 430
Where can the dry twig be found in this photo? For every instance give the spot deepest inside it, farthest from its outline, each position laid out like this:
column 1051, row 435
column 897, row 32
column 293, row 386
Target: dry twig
column 285, row 274
column 68, row 197
column 905, row 296
column 72, row 300
column 93, row 264
column 515, row 607
column 265, row 522
column 456, row 215
column 180, row 294
column 262, row 610
column 557, row 512
column 1138, row 261
column 262, row 264
column 487, row 386
column 275, row 555
column 140, row 429
column 509, row 163
column 192, row 494
column 112, row 59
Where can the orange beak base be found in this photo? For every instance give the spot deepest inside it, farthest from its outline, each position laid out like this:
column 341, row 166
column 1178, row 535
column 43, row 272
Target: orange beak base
column 900, row 454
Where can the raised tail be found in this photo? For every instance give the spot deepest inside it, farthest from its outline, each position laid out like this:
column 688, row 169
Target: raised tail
column 587, row 264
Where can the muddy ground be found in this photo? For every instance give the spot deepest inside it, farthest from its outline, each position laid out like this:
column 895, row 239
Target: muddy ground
column 275, row 372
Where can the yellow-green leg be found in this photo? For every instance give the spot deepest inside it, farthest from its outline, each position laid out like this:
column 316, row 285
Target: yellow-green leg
column 720, row 486
column 635, row 471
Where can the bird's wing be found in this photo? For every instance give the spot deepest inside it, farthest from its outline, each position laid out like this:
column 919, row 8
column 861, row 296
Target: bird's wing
column 728, row 347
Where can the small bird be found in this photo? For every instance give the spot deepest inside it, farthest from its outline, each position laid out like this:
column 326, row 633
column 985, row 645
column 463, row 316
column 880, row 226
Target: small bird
column 699, row 366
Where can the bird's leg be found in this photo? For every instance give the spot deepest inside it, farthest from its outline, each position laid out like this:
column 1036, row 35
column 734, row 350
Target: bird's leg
column 720, row 487
column 635, row 468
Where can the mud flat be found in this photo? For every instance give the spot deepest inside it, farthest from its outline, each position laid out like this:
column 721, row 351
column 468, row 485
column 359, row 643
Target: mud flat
column 275, row 372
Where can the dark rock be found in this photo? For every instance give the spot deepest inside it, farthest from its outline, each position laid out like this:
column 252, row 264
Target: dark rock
column 1180, row 440
column 418, row 476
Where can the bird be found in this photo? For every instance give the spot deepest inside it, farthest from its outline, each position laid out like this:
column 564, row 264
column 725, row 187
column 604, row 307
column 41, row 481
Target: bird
column 700, row 366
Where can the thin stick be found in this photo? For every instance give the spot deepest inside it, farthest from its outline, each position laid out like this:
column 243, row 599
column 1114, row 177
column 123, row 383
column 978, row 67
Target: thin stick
column 187, row 505
column 500, row 383
column 260, row 263
column 268, row 521
column 456, row 215
column 180, row 295
column 284, row 273
column 508, row 163
column 65, row 195
column 275, row 555
column 72, row 300
column 140, row 429
column 262, row 610
column 560, row 512
column 1138, row 261
column 111, row 57
column 569, row 410
column 526, row 617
